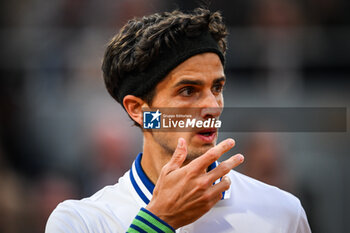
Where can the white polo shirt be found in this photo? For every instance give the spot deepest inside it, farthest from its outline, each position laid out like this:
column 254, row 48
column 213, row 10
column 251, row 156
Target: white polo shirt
column 249, row 206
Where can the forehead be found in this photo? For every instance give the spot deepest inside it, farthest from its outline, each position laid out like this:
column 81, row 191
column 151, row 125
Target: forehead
column 204, row 66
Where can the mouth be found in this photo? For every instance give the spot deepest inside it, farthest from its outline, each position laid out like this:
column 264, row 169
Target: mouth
column 207, row 135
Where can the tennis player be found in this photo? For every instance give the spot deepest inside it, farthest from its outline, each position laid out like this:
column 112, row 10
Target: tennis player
column 176, row 60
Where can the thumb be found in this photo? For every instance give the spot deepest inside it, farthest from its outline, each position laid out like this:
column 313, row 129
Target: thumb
column 179, row 155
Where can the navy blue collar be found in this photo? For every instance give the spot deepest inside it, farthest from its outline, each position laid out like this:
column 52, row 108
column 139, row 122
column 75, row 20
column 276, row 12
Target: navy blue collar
column 144, row 186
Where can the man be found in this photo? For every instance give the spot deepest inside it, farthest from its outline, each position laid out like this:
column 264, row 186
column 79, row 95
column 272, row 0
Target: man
column 176, row 60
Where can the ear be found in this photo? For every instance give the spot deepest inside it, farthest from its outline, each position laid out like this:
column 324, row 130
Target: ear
column 133, row 105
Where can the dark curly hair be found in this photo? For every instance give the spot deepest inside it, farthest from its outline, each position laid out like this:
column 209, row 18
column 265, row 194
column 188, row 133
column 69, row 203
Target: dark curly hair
column 140, row 41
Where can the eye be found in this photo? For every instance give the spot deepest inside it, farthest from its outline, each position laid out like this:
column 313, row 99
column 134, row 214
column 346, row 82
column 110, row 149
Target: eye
column 217, row 88
column 187, row 91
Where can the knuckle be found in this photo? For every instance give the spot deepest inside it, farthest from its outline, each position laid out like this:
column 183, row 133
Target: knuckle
column 212, row 154
column 166, row 166
column 225, row 146
column 190, row 174
column 203, row 183
column 176, row 156
column 206, row 198
column 225, row 184
column 165, row 169
column 199, row 189
column 225, row 167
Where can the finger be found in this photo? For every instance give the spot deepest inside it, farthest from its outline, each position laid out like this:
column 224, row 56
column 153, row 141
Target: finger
column 214, row 193
column 179, row 155
column 225, row 167
column 212, row 154
column 217, row 189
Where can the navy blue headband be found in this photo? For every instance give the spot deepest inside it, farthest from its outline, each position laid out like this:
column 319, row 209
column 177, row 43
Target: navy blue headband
column 140, row 83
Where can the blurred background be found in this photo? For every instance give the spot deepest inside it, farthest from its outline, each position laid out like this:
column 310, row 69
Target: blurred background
column 62, row 136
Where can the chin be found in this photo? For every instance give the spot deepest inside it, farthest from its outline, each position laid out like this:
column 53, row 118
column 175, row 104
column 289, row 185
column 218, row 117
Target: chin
column 196, row 152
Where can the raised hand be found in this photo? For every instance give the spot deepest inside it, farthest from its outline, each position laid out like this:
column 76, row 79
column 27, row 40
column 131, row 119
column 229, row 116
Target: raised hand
column 184, row 194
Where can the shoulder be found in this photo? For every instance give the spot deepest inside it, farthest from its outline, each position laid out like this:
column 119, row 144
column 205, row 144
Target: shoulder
column 264, row 197
column 258, row 207
column 258, row 188
column 99, row 212
column 68, row 217
column 81, row 216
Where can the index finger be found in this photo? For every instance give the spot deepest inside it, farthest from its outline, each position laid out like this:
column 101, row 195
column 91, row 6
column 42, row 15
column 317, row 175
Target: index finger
column 212, row 154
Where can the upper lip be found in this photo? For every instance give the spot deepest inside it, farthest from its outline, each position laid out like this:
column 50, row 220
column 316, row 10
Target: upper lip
column 211, row 130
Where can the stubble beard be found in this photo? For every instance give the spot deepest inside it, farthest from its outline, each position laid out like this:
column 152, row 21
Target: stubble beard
column 192, row 153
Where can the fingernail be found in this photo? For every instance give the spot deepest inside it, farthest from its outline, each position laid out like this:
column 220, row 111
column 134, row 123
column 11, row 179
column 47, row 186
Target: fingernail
column 241, row 157
column 231, row 142
column 180, row 143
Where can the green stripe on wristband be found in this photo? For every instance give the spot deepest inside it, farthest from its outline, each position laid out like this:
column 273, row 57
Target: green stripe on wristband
column 143, row 226
column 131, row 230
column 155, row 221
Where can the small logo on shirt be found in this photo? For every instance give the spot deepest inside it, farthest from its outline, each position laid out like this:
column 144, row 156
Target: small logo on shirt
column 151, row 120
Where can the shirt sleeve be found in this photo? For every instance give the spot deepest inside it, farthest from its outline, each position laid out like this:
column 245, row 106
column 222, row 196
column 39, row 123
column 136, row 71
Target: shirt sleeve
column 303, row 224
column 145, row 222
column 69, row 217
column 61, row 221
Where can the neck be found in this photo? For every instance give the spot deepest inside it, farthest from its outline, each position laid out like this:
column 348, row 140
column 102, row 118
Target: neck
column 154, row 157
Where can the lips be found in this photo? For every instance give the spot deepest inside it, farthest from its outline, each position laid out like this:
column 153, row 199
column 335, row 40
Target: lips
column 207, row 135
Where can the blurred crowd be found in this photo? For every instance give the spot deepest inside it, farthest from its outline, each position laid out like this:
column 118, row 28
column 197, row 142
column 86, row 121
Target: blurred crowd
column 62, row 136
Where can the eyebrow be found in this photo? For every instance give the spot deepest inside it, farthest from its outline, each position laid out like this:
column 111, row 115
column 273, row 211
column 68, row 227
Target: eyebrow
column 219, row 80
column 197, row 82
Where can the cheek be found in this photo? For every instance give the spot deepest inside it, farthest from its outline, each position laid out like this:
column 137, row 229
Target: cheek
column 220, row 100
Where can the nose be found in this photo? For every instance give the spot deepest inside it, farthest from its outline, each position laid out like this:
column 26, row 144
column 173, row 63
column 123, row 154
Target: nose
column 211, row 106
